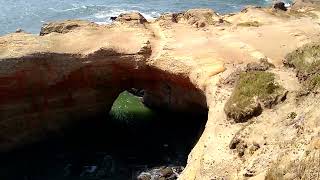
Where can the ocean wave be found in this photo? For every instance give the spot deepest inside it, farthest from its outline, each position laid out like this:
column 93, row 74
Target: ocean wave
column 68, row 9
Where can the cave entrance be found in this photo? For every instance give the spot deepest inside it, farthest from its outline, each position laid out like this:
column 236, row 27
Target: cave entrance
column 129, row 141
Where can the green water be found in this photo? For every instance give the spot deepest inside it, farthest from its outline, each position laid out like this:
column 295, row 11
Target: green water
column 128, row 107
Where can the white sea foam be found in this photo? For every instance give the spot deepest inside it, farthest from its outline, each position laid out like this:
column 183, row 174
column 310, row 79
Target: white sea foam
column 65, row 10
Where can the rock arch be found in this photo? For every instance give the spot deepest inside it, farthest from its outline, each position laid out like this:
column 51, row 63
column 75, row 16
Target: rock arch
column 44, row 86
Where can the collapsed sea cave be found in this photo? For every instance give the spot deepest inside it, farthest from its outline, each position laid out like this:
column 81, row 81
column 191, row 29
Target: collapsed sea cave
column 132, row 141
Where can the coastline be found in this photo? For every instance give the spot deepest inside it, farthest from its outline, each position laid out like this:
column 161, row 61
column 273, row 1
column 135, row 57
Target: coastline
column 31, row 19
column 192, row 54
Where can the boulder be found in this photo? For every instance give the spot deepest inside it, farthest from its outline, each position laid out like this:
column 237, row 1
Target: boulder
column 279, row 5
column 133, row 17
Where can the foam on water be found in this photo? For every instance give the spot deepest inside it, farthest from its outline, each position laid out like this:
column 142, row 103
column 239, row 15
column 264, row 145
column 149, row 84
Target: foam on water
column 30, row 15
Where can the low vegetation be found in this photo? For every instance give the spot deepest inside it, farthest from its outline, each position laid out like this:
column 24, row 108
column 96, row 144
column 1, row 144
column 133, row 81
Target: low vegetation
column 306, row 61
column 250, row 24
column 253, row 91
column 287, row 167
column 292, row 115
column 294, row 13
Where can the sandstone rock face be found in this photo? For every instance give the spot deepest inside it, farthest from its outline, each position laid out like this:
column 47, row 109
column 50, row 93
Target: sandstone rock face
column 76, row 70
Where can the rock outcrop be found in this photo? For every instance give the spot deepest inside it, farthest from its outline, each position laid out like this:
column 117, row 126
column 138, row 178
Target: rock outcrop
column 75, row 70
column 134, row 17
column 196, row 17
column 279, row 5
column 63, row 26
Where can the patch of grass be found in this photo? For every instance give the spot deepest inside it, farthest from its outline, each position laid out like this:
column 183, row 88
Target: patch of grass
column 254, row 90
column 250, row 24
column 306, row 61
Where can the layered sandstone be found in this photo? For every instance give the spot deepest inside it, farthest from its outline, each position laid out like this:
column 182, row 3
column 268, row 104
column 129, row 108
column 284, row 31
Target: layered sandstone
column 76, row 69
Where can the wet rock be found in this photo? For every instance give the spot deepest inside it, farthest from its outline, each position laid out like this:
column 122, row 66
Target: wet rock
column 144, row 176
column 113, row 18
column 107, row 167
column 166, row 172
column 19, row 30
column 161, row 173
column 279, row 5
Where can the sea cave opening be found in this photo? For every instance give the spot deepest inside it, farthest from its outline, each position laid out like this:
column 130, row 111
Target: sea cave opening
column 131, row 141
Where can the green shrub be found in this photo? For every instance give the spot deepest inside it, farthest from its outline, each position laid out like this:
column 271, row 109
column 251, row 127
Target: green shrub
column 254, row 90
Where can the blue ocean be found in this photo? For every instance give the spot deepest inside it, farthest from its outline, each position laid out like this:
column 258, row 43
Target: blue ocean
column 29, row 15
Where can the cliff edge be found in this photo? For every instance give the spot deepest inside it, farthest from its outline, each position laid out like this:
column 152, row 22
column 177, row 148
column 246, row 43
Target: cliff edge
column 253, row 70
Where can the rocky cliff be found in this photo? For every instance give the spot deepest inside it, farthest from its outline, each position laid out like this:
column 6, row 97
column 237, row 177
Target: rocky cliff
column 230, row 64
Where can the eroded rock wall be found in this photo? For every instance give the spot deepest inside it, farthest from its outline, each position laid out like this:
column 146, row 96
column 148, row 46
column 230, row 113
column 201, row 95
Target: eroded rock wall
column 44, row 88
column 75, row 71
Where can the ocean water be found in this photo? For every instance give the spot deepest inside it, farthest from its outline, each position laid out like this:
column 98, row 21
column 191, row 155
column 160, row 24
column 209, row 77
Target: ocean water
column 31, row 14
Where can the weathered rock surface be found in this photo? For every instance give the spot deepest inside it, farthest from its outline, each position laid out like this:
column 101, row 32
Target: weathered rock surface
column 134, row 17
column 195, row 17
column 298, row 4
column 77, row 69
column 63, row 26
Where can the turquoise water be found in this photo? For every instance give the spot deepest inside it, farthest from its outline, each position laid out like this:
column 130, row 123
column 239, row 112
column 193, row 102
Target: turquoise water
column 31, row 14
